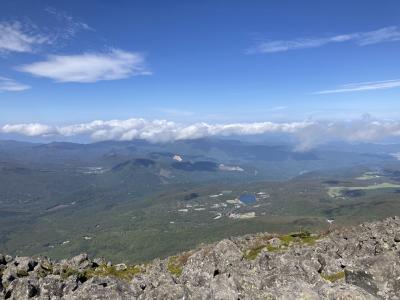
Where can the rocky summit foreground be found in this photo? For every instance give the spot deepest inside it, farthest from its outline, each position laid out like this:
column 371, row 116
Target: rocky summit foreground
column 360, row 262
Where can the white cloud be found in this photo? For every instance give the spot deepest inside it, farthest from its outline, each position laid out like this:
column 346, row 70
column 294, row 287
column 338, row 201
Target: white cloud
column 16, row 38
column 10, row 85
column 308, row 133
column 363, row 86
column 29, row 129
column 151, row 130
column 89, row 67
column 386, row 34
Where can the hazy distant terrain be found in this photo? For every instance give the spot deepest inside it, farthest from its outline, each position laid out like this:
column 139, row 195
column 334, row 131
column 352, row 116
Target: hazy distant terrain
column 137, row 200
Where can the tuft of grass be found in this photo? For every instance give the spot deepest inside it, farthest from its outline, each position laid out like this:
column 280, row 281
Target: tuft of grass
column 174, row 266
column 271, row 248
column 302, row 234
column 68, row 272
column 45, row 269
column 310, row 240
column 104, row 270
column 252, row 254
column 22, row 273
column 47, row 266
column 43, row 273
column 333, row 277
column 303, row 237
column 286, row 239
column 176, row 263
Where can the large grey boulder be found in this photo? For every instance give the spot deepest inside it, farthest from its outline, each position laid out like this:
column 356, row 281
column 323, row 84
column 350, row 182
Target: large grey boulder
column 24, row 265
column 51, row 287
column 23, row 289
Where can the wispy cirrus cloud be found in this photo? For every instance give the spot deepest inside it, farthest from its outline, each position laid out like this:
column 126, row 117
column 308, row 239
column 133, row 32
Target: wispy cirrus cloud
column 70, row 27
column 14, row 37
column 10, row 85
column 89, row 67
column 17, row 36
column 308, row 133
column 363, row 86
column 386, row 34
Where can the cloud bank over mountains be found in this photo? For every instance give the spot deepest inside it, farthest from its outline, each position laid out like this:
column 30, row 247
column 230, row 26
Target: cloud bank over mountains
column 308, row 133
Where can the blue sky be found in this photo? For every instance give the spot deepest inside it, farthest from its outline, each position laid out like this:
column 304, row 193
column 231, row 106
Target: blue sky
column 69, row 62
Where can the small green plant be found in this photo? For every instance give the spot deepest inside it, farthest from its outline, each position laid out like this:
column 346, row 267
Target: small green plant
column 174, row 266
column 286, row 239
column 302, row 234
column 303, row 237
column 333, row 277
column 68, row 272
column 104, row 270
column 271, row 248
column 310, row 240
column 45, row 269
column 22, row 273
column 252, row 254
column 43, row 274
column 46, row 266
column 176, row 263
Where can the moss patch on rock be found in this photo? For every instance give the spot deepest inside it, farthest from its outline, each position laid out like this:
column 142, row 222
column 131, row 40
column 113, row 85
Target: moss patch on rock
column 67, row 272
column 334, row 277
column 252, row 254
column 174, row 266
column 302, row 238
column 22, row 273
column 104, row 270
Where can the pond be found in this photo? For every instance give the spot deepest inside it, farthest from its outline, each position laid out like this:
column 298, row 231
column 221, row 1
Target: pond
column 247, row 198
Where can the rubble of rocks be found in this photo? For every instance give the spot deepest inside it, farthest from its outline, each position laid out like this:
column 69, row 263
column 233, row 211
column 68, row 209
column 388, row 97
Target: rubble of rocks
column 360, row 262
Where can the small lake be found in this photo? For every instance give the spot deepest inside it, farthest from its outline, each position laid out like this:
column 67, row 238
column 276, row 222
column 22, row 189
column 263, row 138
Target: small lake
column 248, row 198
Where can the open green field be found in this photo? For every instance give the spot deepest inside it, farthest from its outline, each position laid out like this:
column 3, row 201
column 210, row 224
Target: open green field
column 337, row 191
